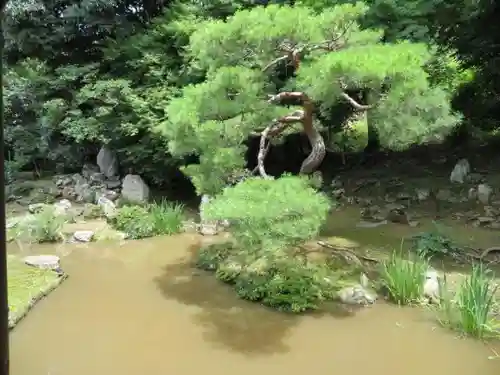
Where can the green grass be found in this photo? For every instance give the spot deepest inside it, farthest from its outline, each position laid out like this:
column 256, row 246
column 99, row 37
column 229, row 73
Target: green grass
column 167, row 217
column 404, row 278
column 470, row 309
column 45, row 226
column 26, row 286
column 156, row 219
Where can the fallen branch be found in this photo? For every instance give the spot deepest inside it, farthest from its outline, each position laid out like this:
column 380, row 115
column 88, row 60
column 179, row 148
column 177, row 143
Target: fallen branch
column 347, row 253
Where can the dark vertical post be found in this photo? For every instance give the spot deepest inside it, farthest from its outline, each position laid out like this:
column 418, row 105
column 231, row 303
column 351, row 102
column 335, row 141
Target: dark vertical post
column 4, row 305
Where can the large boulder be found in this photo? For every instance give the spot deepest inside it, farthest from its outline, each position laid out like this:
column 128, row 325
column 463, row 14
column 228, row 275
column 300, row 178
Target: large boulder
column 107, row 162
column 134, row 189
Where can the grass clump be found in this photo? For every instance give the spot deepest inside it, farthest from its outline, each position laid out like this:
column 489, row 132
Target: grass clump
column 44, row 226
column 404, row 279
column 147, row 221
column 269, row 218
column 471, row 307
column 167, row 217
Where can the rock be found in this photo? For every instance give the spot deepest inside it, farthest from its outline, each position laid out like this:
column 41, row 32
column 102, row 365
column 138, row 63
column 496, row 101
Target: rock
column 107, row 206
column 475, row 178
column 444, row 195
column 110, row 184
column 484, row 192
column 83, row 235
column 472, row 194
column 189, row 226
column 357, row 294
column 36, row 207
column 336, row 183
column 423, row 194
column 394, row 206
column 403, row 196
column 338, row 193
column 88, row 170
column 134, row 189
column 43, row 261
column 107, row 162
column 62, row 207
column 85, row 193
column 111, row 195
column 97, row 178
column 68, row 192
column 370, row 213
column 484, row 220
column 371, row 224
column 63, row 181
column 490, row 211
column 460, row 171
column 431, row 286
column 398, row 216
column 208, row 229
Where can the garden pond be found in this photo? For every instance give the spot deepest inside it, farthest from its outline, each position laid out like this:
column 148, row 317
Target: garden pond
column 134, row 307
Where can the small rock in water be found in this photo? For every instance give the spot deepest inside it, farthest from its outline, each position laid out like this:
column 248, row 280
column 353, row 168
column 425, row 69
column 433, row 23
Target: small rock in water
column 43, row 261
column 208, row 229
column 371, row 224
column 398, row 216
column 83, row 235
column 460, row 171
column 431, row 286
column 484, row 193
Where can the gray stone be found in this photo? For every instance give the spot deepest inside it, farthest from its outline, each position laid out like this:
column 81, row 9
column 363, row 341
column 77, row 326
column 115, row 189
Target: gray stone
column 460, row 171
column 484, row 192
column 36, row 207
column 83, row 235
column 107, row 206
column 110, row 184
column 107, row 162
column 423, row 194
column 88, row 169
column 43, row 261
column 62, row 207
column 97, row 178
column 134, row 189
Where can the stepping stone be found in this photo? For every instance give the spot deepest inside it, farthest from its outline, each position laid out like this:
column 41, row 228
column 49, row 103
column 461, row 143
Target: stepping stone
column 43, row 261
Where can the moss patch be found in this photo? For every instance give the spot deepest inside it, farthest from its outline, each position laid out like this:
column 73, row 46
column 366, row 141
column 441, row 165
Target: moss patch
column 27, row 286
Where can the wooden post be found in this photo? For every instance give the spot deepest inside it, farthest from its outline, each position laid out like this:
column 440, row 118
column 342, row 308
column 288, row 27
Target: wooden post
column 4, row 305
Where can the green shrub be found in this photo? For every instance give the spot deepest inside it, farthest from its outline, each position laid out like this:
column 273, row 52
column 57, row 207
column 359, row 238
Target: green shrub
column 404, row 279
column 470, row 308
column 435, row 244
column 135, row 221
column 148, row 221
column 210, row 257
column 270, row 217
column 44, row 226
column 167, row 217
column 270, row 214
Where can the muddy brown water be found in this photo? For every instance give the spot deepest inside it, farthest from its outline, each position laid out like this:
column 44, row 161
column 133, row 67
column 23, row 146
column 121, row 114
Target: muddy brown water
column 138, row 307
